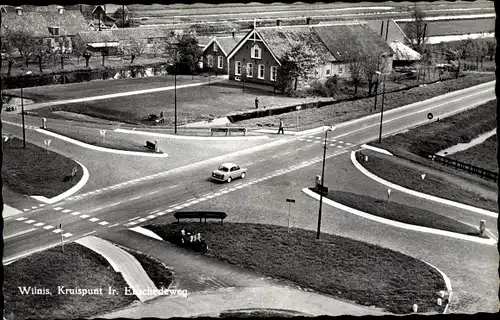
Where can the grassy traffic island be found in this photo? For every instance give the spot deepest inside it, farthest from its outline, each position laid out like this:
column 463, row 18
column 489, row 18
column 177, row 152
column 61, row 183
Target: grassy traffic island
column 37, row 171
column 111, row 140
column 409, row 177
column 76, row 268
column 399, row 212
column 341, row 267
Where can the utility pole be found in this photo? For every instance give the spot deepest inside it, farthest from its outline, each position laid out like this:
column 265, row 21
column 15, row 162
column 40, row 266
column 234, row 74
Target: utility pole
column 381, row 114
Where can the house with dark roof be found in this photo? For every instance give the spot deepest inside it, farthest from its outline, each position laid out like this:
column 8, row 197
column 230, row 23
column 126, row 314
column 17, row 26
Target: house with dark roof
column 54, row 26
column 156, row 40
column 99, row 41
column 262, row 50
column 216, row 51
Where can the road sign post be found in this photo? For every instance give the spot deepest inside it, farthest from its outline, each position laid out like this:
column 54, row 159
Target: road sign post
column 388, row 193
column 62, row 238
column 10, row 140
column 44, row 123
column 290, row 201
column 298, row 108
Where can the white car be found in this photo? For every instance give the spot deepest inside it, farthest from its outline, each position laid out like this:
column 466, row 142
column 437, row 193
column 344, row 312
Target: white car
column 228, row 172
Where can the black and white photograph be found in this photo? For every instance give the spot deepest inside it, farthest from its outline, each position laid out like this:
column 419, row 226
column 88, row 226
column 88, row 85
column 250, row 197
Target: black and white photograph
column 235, row 159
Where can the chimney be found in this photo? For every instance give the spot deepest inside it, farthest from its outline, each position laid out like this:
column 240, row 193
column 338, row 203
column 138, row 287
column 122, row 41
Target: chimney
column 19, row 11
column 60, row 9
column 278, row 22
column 308, row 20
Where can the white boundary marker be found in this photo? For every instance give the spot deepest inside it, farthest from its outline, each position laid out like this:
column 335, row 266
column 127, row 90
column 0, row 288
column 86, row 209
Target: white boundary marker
column 380, row 150
column 73, row 190
column 398, row 224
column 419, row 194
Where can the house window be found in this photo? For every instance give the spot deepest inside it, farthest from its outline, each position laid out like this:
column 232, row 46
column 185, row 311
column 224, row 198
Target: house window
column 220, row 62
column 54, row 31
column 216, row 48
column 327, row 72
column 210, row 61
column 255, row 52
column 249, row 70
column 340, row 69
column 262, row 68
column 274, row 73
column 237, row 68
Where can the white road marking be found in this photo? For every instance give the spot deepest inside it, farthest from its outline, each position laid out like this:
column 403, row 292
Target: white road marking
column 75, row 213
column 30, row 221
column 142, row 219
column 168, row 210
column 134, row 218
column 41, row 205
column 34, row 207
column 135, row 198
column 332, row 145
column 174, row 205
column 66, row 210
column 48, row 227
column 113, row 225
column 57, row 208
column 177, row 208
column 153, row 192
column 94, row 219
column 339, row 146
column 150, row 216
column 26, row 210
column 19, row 233
column 66, row 235
column 190, row 199
column 160, row 213
column 21, row 219
column 39, row 224
column 57, row 230
column 103, row 223
column 83, row 216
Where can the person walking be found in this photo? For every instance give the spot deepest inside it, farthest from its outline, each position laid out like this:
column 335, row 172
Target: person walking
column 256, row 103
column 280, row 129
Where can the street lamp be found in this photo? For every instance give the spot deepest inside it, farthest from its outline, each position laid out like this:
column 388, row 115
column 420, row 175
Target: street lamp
column 22, row 112
column 378, row 78
column 381, row 110
column 331, row 128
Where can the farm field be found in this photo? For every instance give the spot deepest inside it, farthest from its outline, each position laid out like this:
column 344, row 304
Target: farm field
column 462, row 26
column 483, row 155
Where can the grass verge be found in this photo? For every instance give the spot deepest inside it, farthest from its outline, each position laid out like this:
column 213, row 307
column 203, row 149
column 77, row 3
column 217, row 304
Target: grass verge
column 93, row 137
column 399, row 212
column 77, row 267
column 158, row 272
column 383, row 166
column 483, row 155
column 344, row 268
column 439, row 135
column 345, row 111
column 36, row 171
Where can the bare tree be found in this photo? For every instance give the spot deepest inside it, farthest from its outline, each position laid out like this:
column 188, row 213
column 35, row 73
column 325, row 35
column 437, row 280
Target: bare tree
column 298, row 63
column 134, row 47
column 415, row 30
column 356, row 68
column 24, row 42
column 79, row 48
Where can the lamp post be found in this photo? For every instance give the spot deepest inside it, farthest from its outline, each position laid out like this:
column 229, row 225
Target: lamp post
column 378, row 78
column 322, row 182
column 175, row 100
column 382, row 113
column 22, row 113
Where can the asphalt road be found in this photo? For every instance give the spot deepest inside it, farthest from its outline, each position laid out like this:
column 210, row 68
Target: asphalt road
column 112, row 205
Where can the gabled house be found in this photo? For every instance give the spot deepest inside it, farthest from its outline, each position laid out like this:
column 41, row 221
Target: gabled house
column 216, row 51
column 404, row 55
column 56, row 28
column 261, row 51
column 103, row 16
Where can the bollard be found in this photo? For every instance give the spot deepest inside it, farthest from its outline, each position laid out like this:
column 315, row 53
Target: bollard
column 157, row 147
column 439, row 301
column 318, row 180
column 441, row 294
column 415, row 308
column 44, row 123
column 482, row 227
column 366, row 158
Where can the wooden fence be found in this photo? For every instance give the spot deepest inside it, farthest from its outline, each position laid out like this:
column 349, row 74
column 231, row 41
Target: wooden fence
column 483, row 173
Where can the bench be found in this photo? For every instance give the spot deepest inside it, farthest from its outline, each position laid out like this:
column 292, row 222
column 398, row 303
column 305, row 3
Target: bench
column 201, row 215
column 228, row 130
column 150, row 145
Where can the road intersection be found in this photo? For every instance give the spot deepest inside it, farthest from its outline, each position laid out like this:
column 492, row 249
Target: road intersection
column 125, row 191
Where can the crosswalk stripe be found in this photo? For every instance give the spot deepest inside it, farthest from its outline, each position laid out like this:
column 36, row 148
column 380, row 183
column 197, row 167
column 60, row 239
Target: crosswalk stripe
column 57, row 230
column 39, row 224
column 93, row 219
column 103, row 223
column 66, row 235
column 21, row 219
column 48, row 227
column 30, row 221
column 75, row 213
